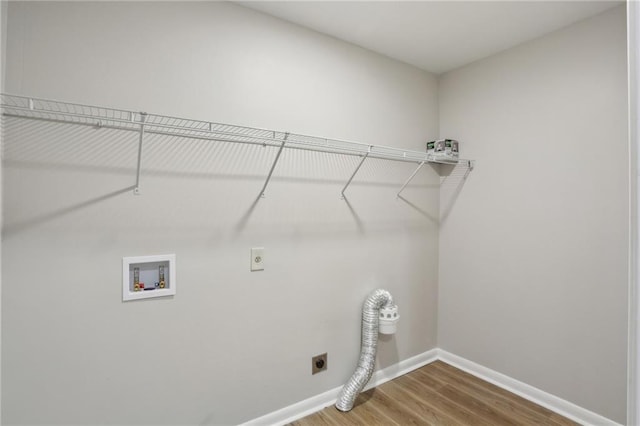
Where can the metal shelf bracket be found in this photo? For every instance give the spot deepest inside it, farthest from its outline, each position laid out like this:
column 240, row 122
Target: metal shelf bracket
column 273, row 166
column 143, row 116
column 354, row 172
column 410, row 178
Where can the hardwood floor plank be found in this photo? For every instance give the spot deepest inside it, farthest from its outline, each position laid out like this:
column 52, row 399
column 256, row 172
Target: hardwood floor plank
column 416, row 404
column 514, row 403
column 478, row 407
column 437, row 401
column 506, row 407
column 365, row 412
column 437, row 394
column 347, row 419
column 393, row 410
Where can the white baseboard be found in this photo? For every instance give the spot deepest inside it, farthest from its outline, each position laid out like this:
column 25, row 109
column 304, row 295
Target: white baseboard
column 401, row 368
column 318, row 402
column 544, row 399
column 296, row 411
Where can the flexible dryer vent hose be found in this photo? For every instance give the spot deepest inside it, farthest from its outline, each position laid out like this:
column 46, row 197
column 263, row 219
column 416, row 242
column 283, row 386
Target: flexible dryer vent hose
column 370, row 322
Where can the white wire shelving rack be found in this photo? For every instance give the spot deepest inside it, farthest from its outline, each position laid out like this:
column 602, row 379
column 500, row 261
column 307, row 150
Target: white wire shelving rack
column 144, row 124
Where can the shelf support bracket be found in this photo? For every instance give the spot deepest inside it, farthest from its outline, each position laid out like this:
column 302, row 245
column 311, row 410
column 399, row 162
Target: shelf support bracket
column 354, row 173
column 143, row 117
column 273, row 166
column 410, row 179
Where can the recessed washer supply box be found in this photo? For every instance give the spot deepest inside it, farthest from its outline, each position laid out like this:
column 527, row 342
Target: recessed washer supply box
column 144, row 277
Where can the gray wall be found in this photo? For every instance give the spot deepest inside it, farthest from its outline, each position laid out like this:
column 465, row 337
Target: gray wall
column 534, row 251
column 231, row 345
column 533, row 245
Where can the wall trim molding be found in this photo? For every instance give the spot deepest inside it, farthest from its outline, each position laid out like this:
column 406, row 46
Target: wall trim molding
column 633, row 351
column 318, row 402
column 528, row 392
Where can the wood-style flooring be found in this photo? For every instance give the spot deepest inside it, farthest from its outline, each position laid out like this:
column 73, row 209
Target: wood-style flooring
column 437, row 394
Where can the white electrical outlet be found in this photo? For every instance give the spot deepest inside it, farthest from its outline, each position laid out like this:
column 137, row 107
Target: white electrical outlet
column 257, row 259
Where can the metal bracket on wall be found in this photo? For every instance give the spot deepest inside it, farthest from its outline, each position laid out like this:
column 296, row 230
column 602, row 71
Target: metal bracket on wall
column 143, row 116
column 354, row 172
column 273, row 166
column 410, row 178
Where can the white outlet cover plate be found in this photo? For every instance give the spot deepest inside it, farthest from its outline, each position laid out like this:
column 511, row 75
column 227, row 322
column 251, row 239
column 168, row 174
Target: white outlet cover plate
column 257, row 259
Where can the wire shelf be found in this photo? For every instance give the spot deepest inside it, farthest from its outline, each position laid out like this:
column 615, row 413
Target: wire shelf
column 65, row 112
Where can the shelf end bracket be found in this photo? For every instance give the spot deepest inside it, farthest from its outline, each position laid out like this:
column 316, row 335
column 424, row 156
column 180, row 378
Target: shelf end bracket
column 273, row 166
column 410, row 178
column 354, row 173
column 136, row 188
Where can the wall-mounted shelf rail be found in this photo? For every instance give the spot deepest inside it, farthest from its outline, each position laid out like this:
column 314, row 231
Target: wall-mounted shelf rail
column 154, row 124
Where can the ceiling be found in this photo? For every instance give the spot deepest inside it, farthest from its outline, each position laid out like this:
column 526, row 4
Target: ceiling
column 436, row 36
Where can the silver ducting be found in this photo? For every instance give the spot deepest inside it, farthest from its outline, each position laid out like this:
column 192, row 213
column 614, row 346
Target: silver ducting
column 370, row 322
